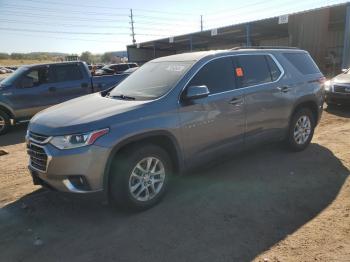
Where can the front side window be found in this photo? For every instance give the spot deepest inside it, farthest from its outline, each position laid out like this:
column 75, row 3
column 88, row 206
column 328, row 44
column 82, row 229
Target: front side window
column 218, row 75
column 152, row 80
column 255, row 70
column 62, row 73
column 38, row 75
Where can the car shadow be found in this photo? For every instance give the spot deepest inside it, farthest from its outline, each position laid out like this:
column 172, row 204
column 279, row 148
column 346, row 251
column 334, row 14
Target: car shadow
column 16, row 135
column 231, row 211
column 339, row 110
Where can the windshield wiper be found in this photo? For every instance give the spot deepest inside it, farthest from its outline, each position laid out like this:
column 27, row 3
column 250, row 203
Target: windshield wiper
column 124, row 97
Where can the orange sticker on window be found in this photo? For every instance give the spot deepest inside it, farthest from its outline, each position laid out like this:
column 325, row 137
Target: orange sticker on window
column 239, row 71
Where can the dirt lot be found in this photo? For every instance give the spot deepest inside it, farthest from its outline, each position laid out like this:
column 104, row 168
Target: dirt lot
column 264, row 205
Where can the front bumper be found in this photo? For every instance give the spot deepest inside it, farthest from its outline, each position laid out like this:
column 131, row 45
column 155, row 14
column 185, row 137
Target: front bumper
column 79, row 170
column 337, row 98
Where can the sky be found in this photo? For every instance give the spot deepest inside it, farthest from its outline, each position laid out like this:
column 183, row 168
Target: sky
column 99, row 26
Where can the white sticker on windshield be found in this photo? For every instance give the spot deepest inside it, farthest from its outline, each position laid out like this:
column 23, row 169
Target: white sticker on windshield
column 175, row 68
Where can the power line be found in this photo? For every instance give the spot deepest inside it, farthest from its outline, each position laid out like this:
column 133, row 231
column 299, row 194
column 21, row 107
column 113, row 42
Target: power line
column 60, row 24
column 15, row 13
column 69, row 32
column 30, row 8
column 107, row 8
column 68, row 38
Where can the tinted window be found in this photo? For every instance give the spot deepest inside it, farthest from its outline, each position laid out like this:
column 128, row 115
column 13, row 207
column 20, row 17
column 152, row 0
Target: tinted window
column 275, row 71
column 63, row 73
column 152, row 80
column 132, row 65
column 302, row 62
column 38, row 75
column 217, row 75
column 122, row 67
column 255, row 70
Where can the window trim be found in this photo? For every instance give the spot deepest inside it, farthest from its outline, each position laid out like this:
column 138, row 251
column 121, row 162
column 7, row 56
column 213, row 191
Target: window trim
column 241, row 88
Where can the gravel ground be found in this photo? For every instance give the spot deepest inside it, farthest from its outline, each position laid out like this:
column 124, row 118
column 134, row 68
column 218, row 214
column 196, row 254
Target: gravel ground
column 266, row 204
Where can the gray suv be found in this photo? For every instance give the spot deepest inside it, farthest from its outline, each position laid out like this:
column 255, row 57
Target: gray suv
column 172, row 114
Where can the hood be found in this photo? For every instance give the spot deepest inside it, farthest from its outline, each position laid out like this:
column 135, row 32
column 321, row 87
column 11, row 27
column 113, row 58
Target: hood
column 82, row 114
column 342, row 79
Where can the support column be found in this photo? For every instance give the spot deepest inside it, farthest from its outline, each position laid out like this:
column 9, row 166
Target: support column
column 346, row 48
column 191, row 44
column 247, row 30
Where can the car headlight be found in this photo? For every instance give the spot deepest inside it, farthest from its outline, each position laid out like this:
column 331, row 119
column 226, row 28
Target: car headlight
column 77, row 140
column 328, row 85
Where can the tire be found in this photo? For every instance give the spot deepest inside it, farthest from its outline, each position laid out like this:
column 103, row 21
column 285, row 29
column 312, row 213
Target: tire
column 301, row 130
column 127, row 180
column 4, row 122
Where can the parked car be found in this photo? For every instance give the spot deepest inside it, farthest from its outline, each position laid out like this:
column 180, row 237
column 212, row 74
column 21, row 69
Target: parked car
column 115, row 68
column 34, row 88
column 4, row 70
column 172, row 114
column 338, row 89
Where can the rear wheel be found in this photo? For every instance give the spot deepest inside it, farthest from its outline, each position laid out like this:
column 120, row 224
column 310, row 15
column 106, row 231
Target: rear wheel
column 301, row 129
column 139, row 177
column 4, row 122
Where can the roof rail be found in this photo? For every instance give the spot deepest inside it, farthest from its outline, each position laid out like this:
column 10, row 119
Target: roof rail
column 263, row 47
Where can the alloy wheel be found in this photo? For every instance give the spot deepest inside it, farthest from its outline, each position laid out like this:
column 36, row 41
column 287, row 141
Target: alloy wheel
column 147, row 179
column 302, row 130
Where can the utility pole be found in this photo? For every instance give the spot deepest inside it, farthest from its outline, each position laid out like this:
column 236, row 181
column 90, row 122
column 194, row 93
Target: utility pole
column 132, row 27
column 201, row 23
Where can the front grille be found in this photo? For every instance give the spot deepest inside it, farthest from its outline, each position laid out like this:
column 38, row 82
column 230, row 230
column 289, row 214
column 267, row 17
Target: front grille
column 342, row 89
column 38, row 138
column 38, row 157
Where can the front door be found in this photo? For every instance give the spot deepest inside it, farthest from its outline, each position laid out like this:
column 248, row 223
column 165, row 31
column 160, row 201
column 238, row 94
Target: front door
column 213, row 125
column 26, row 99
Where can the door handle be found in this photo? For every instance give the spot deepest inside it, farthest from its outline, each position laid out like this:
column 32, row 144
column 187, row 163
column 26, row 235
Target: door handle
column 236, row 101
column 284, row 89
column 52, row 89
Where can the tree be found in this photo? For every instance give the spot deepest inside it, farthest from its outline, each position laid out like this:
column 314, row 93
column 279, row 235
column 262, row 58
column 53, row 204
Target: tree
column 86, row 57
column 107, row 57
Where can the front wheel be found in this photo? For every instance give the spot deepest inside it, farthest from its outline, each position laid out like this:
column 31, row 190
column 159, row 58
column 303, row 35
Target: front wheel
column 4, row 123
column 301, row 129
column 139, row 177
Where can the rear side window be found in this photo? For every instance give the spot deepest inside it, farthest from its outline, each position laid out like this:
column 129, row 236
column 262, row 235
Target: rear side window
column 302, row 62
column 62, row 73
column 217, row 75
column 255, row 70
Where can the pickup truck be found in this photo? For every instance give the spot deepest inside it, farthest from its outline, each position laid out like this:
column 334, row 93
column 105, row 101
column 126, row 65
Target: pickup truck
column 31, row 89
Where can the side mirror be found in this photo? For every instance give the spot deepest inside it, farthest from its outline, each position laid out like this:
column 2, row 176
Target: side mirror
column 344, row 70
column 27, row 82
column 195, row 92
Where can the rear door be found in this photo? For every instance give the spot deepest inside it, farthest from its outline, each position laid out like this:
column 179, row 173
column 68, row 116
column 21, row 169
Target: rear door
column 268, row 100
column 213, row 125
column 67, row 82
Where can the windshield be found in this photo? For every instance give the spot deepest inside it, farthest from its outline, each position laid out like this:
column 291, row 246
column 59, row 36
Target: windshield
column 152, row 80
column 9, row 80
